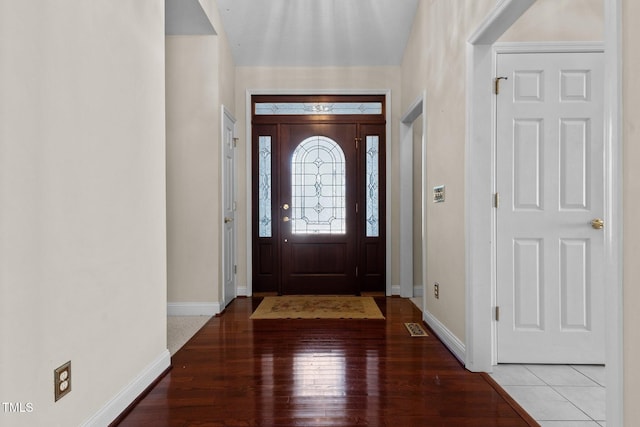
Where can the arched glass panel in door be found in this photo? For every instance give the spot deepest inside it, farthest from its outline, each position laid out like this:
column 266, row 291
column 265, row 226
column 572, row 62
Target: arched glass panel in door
column 318, row 187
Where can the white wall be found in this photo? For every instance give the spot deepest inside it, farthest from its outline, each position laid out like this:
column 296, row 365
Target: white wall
column 82, row 203
column 305, row 80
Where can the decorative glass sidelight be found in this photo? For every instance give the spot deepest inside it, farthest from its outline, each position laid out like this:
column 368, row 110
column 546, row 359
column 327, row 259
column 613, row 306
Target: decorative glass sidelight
column 318, row 187
column 372, row 212
column 264, row 187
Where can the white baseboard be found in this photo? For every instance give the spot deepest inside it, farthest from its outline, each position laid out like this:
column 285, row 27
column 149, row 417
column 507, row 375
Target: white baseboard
column 452, row 342
column 127, row 395
column 242, row 291
column 395, row 290
column 417, row 290
column 193, row 308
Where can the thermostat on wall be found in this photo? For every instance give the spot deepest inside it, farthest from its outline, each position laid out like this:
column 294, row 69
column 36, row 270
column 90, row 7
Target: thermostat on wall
column 438, row 194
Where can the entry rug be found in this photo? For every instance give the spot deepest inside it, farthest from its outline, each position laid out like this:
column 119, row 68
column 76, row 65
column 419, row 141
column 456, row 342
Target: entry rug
column 416, row 330
column 317, row 307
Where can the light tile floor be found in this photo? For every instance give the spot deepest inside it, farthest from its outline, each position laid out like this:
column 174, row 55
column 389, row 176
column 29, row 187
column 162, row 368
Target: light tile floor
column 555, row 395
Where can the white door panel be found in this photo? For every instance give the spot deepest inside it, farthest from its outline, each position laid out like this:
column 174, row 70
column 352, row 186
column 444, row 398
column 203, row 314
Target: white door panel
column 229, row 206
column 550, row 180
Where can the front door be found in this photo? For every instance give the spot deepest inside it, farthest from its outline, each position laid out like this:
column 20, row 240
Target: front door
column 318, row 194
column 550, row 288
column 318, row 208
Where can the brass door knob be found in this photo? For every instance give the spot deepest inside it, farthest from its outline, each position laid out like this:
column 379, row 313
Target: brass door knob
column 285, row 219
column 597, row 223
column 227, row 220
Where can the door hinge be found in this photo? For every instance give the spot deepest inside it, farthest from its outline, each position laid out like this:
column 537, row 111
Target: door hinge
column 235, row 141
column 497, row 313
column 357, row 140
column 496, row 200
column 496, row 84
column 356, row 207
column 356, row 271
column 235, row 269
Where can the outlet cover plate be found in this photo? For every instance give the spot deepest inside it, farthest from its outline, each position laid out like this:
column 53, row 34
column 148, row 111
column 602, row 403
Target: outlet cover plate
column 62, row 381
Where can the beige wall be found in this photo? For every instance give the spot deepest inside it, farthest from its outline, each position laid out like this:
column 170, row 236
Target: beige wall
column 192, row 169
column 310, row 79
column 435, row 60
column 82, row 197
column 559, row 20
column 631, row 200
column 199, row 78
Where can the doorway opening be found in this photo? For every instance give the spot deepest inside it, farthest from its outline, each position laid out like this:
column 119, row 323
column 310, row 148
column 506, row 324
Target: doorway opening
column 318, row 194
column 480, row 348
column 413, row 242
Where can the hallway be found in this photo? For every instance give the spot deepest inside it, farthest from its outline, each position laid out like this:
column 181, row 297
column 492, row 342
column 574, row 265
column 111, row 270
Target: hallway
column 235, row 371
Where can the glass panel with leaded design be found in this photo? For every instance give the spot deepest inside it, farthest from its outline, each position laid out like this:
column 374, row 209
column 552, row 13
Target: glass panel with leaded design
column 264, row 186
column 312, row 108
column 372, row 187
column 318, row 187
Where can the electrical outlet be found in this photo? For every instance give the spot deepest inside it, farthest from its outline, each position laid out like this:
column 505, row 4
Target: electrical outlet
column 62, row 380
column 436, row 290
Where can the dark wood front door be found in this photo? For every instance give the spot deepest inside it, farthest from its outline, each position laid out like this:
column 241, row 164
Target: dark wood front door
column 318, row 201
column 318, row 208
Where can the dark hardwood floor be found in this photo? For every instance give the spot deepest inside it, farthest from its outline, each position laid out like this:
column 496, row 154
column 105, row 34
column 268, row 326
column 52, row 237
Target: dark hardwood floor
column 241, row 372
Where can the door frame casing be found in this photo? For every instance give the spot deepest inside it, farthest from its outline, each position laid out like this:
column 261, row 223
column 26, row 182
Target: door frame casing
column 248, row 162
column 480, row 182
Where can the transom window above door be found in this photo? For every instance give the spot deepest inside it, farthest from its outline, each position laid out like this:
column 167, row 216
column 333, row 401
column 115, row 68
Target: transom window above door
column 303, row 108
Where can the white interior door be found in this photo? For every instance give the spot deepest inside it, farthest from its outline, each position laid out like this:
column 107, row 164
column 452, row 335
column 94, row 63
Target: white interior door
column 549, row 273
column 229, row 207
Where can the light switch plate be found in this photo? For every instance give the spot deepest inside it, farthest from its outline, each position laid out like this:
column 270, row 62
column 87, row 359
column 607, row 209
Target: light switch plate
column 438, row 194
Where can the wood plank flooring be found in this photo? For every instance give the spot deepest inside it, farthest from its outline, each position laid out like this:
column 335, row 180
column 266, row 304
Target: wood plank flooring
column 241, row 372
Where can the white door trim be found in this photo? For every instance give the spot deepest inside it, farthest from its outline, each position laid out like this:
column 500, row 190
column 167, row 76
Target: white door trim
column 415, row 111
column 546, row 47
column 390, row 290
column 480, row 183
column 613, row 184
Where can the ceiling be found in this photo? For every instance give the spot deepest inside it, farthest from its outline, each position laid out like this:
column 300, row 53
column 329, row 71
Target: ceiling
column 186, row 17
column 317, row 32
